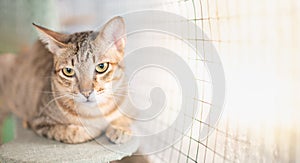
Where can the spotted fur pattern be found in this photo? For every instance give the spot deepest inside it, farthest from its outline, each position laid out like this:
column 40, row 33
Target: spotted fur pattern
column 71, row 109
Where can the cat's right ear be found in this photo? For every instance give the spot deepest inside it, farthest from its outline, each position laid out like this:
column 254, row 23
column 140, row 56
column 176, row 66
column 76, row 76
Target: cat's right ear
column 54, row 41
column 113, row 33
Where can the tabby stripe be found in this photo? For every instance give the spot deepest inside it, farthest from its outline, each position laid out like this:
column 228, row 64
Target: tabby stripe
column 94, row 59
column 55, row 65
column 87, row 56
column 116, row 106
column 107, row 108
column 56, row 71
column 77, row 56
column 116, row 78
column 111, row 112
column 64, row 81
column 107, row 75
column 60, row 82
column 66, row 108
column 72, row 112
column 42, row 125
column 121, row 67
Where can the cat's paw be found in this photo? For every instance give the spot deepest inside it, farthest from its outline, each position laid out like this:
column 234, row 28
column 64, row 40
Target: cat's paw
column 118, row 134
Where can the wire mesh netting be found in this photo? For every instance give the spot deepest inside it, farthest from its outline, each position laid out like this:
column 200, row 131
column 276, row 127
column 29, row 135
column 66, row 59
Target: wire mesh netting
column 257, row 43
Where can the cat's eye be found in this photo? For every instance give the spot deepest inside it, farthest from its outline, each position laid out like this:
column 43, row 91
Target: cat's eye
column 68, row 72
column 102, row 67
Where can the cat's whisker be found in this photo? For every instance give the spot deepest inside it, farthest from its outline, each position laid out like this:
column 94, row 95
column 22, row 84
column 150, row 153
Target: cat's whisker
column 56, row 92
column 118, row 94
column 122, row 86
column 54, row 99
column 122, row 89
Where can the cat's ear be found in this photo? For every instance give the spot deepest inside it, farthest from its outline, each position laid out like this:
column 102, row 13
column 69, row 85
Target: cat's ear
column 114, row 32
column 54, row 41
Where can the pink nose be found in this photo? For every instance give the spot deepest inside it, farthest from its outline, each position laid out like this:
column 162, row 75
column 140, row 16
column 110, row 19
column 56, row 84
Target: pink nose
column 87, row 93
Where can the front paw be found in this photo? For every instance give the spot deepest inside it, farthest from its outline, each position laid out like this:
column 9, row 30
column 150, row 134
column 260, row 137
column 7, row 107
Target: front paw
column 118, row 134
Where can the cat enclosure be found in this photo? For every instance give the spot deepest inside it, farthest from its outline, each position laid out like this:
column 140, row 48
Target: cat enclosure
column 256, row 42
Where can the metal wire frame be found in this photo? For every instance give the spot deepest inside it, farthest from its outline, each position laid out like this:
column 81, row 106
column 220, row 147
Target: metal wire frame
column 225, row 145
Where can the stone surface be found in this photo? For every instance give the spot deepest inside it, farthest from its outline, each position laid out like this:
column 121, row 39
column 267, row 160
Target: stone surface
column 28, row 147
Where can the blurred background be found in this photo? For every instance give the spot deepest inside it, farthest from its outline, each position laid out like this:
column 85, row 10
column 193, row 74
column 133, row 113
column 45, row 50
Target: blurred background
column 258, row 42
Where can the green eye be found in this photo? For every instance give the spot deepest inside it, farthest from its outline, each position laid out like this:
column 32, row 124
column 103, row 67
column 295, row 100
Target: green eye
column 68, row 72
column 102, row 67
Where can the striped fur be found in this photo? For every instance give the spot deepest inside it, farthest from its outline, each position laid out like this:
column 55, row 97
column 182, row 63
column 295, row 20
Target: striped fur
column 54, row 105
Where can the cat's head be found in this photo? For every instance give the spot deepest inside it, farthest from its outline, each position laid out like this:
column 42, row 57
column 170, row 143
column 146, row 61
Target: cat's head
column 86, row 63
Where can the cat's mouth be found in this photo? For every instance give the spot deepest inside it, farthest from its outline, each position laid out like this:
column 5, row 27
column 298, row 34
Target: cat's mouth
column 89, row 102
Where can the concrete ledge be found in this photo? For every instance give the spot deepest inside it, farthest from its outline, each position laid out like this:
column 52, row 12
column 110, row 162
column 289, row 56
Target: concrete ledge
column 28, row 147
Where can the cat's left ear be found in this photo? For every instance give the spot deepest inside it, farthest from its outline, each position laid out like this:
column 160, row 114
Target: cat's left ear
column 54, row 41
column 114, row 33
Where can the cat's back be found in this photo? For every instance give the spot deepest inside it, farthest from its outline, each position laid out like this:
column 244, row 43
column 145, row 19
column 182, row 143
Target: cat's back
column 27, row 79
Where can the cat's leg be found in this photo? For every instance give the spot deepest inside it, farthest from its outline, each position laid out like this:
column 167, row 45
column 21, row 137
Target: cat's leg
column 119, row 130
column 71, row 134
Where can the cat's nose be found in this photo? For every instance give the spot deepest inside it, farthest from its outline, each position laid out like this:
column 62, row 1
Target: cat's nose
column 86, row 93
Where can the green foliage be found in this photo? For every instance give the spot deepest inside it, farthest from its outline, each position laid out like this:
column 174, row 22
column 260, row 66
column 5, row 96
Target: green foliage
column 16, row 17
column 8, row 129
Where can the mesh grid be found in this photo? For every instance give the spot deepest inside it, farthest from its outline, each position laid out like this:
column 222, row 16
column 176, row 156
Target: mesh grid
column 234, row 27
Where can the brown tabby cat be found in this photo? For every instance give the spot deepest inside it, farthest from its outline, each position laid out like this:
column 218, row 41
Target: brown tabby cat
column 68, row 87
